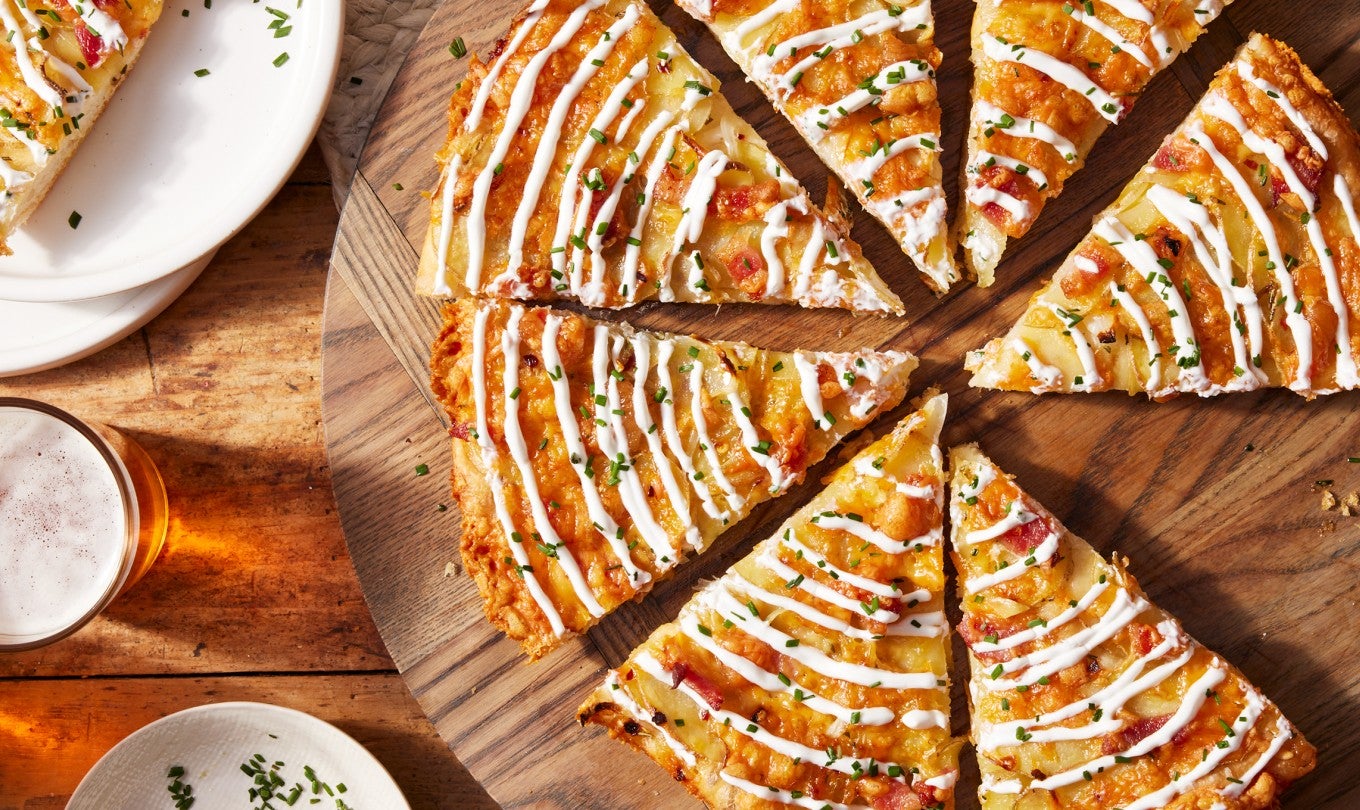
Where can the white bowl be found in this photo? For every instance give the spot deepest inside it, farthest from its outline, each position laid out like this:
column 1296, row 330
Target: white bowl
column 178, row 163
column 212, row 742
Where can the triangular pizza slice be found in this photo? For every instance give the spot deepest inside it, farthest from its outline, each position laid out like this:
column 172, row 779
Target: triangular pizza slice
column 62, row 63
column 815, row 672
column 1048, row 78
column 1084, row 693
column 593, row 159
column 591, row 459
column 857, row 80
column 1229, row 263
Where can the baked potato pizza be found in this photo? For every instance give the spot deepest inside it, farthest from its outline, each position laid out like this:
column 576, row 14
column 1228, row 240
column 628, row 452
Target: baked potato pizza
column 1085, row 694
column 814, row 673
column 592, row 159
column 589, row 460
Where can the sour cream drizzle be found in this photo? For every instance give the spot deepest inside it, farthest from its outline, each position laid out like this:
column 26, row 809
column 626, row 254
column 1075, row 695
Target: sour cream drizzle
column 810, row 586
column 671, row 432
column 750, row 438
column 867, row 533
column 1299, row 326
column 795, row 545
column 1192, row 220
column 1143, row 258
column 519, row 451
column 694, row 211
column 496, row 484
column 1047, row 377
column 1124, row 607
column 1135, row 310
column 770, row 794
column 770, row 682
column 793, row 750
column 642, row 415
column 1059, row 71
column 1030, row 128
column 816, row 121
column 1090, row 371
column 571, row 436
column 546, row 149
column 521, row 99
column 777, row 229
column 612, row 438
column 620, row 696
column 823, row 41
column 735, row 501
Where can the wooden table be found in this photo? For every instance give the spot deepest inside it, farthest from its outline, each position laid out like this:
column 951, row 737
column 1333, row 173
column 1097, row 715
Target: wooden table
column 254, row 597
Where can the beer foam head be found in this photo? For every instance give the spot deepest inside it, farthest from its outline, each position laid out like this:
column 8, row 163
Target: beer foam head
column 63, row 527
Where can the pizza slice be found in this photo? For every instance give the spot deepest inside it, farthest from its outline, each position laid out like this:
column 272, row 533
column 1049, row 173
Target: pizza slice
column 1084, row 693
column 1229, row 263
column 62, row 63
column 857, row 80
column 593, row 159
column 591, row 459
column 815, row 672
column 1048, row 77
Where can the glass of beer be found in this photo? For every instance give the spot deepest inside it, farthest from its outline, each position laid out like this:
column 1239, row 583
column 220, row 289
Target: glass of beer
column 82, row 517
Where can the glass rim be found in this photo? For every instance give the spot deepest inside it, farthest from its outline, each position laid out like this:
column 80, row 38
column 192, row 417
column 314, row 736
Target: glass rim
column 131, row 523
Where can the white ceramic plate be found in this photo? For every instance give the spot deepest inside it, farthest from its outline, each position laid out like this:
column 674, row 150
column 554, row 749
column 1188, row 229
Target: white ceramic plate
column 212, row 742
column 178, row 163
column 36, row 337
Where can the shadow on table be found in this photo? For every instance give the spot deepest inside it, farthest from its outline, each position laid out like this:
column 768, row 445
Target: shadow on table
column 427, row 771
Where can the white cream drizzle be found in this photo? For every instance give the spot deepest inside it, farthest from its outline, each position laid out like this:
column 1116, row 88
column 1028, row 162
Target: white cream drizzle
column 521, row 99
column 102, row 25
column 864, row 168
column 1298, row 325
column 1140, row 254
column 1154, row 349
column 833, row 37
column 777, row 229
column 1239, row 303
column 770, row 794
column 1110, row 35
column 1047, row 377
column 982, row 195
column 791, row 541
column 1343, row 193
column 793, row 580
column 735, row 501
column 1059, row 71
column 865, row 467
column 817, row 121
column 632, row 255
column 1033, row 129
column 495, row 483
column 671, row 433
column 742, row 725
column 1040, row 555
column 1190, row 705
column 612, row 438
column 1090, row 372
column 1016, row 516
column 863, row 531
column 1283, row 734
column 694, row 211
column 642, row 415
column 811, row 389
column 519, row 451
column 1184, row 782
column 1033, row 173
column 764, row 17
column 546, row 150
column 750, row 439
column 812, row 658
column 921, row 719
column 770, row 682
column 1049, row 625
column 571, row 436
column 1068, row 651
column 621, row 697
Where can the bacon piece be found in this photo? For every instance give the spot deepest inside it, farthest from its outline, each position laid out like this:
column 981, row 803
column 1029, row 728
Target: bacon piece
column 711, row 694
column 898, row 797
column 461, row 430
column 744, row 203
column 1132, row 734
column 91, row 45
column 1144, row 638
column 1084, row 280
column 1026, row 537
column 1176, row 155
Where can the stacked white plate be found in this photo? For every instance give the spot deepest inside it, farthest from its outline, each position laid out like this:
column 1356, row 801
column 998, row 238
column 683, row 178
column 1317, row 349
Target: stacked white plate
column 208, row 126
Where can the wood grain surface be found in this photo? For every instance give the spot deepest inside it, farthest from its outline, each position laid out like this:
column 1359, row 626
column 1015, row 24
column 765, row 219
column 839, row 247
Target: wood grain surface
column 1214, row 501
column 254, row 597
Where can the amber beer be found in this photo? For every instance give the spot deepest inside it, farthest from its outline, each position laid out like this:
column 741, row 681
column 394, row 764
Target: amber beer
column 82, row 517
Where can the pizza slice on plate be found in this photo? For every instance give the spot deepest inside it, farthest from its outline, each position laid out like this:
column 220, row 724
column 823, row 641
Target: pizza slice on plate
column 857, row 80
column 592, row 459
column 593, row 159
column 62, row 62
column 1049, row 76
column 1084, row 693
column 814, row 673
column 1229, row 263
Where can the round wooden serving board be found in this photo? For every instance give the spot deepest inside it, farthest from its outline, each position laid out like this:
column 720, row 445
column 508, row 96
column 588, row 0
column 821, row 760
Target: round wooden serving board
column 1213, row 501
